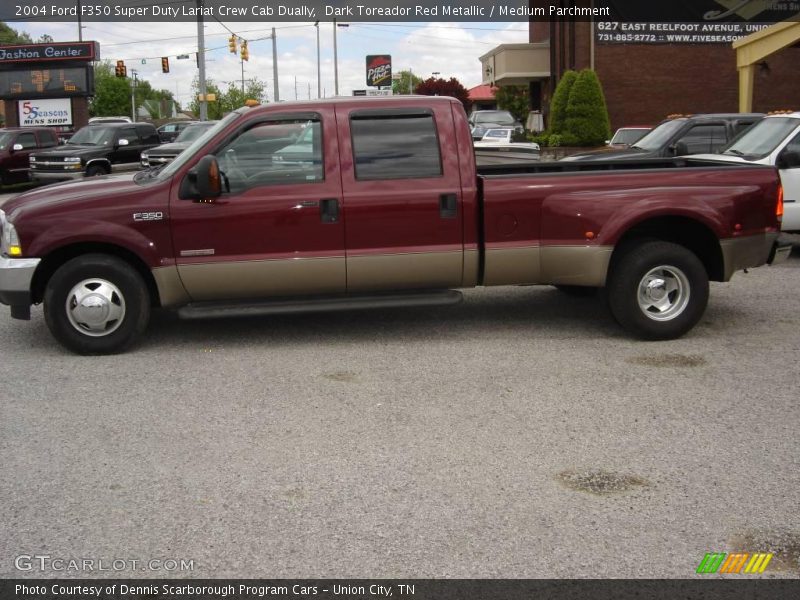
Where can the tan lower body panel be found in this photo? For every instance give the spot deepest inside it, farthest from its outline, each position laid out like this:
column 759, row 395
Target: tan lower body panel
column 170, row 288
column 263, row 278
column 564, row 265
column 576, row 265
column 424, row 270
column 745, row 252
column 511, row 266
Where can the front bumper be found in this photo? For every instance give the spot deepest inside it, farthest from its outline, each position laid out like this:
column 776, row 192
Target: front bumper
column 55, row 175
column 16, row 275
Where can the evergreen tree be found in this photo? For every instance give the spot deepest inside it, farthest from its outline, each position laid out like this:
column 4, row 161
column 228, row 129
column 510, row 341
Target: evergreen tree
column 586, row 115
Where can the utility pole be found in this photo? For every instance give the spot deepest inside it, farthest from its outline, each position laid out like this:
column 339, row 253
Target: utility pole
column 295, row 87
column 335, row 62
column 80, row 27
column 275, row 69
column 319, row 76
column 201, row 62
column 133, row 95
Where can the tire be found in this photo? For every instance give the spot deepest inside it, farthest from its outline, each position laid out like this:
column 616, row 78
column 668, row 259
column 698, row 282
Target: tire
column 658, row 290
column 95, row 170
column 577, row 291
column 96, row 304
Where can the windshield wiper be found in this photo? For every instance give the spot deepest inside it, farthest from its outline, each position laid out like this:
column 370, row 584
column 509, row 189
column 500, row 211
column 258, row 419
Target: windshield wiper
column 734, row 152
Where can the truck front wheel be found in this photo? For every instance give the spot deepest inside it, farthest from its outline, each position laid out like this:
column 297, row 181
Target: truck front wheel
column 96, row 304
column 658, row 290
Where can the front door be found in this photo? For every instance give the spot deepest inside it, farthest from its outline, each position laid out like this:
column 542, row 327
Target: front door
column 279, row 231
column 790, row 179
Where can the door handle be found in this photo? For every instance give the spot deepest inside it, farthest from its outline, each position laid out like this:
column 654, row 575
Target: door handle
column 448, row 206
column 329, row 210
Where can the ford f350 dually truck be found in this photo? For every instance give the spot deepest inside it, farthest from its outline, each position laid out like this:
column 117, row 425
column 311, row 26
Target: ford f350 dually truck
column 366, row 202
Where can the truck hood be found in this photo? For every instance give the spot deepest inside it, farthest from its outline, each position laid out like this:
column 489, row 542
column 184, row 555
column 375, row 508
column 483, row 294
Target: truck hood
column 721, row 157
column 174, row 148
column 70, row 150
column 71, row 194
column 612, row 154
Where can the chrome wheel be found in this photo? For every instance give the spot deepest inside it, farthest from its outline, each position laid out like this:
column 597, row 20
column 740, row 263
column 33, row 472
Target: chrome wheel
column 95, row 307
column 663, row 293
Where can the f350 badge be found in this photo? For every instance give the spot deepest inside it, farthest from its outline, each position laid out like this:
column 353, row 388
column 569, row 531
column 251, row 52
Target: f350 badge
column 148, row 216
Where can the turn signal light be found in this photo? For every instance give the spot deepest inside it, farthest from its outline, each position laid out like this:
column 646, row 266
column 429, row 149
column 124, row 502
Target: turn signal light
column 779, row 206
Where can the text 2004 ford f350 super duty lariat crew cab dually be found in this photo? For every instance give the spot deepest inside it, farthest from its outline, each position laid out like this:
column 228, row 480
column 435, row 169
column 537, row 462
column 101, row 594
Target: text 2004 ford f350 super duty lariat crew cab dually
column 375, row 202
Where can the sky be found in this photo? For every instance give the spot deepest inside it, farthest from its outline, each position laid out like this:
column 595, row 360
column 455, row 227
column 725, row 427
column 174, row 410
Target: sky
column 451, row 49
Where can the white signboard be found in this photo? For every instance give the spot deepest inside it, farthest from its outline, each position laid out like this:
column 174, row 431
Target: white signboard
column 39, row 113
column 387, row 92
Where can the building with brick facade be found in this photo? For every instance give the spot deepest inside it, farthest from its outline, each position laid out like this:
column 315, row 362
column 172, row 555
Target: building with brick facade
column 680, row 69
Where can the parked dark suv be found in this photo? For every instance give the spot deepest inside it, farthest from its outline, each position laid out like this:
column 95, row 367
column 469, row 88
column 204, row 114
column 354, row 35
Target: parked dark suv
column 95, row 150
column 16, row 144
column 679, row 136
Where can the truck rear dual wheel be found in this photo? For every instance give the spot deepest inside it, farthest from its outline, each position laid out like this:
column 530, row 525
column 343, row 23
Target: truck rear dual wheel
column 658, row 290
column 96, row 304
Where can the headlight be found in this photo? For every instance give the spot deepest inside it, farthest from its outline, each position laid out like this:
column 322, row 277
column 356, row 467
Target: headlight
column 32, row 159
column 10, row 245
column 144, row 156
column 72, row 159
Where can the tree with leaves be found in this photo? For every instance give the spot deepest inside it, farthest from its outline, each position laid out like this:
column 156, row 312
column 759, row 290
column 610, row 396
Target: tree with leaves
column 10, row 37
column 112, row 94
column 558, row 105
column 515, row 99
column 445, row 87
column 405, row 83
column 586, row 114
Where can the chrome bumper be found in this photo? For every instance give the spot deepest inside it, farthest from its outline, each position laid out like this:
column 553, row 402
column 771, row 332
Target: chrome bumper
column 16, row 275
column 55, row 175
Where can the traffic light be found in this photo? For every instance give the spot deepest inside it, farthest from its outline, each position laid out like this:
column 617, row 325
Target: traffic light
column 245, row 53
column 165, row 64
column 121, row 70
column 232, row 44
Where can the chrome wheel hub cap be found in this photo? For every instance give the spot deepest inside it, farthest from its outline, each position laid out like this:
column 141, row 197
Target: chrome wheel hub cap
column 95, row 307
column 663, row 293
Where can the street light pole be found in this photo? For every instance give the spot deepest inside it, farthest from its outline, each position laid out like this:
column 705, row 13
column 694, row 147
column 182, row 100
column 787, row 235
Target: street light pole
column 336, row 57
column 133, row 95
column 201, row 62
column 319, row 76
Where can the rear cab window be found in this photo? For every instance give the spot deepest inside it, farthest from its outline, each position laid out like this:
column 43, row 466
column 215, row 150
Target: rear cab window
column 395, row 145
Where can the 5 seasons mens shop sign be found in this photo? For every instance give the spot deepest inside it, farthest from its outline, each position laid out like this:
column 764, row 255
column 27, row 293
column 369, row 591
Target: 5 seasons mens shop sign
column 38, row 113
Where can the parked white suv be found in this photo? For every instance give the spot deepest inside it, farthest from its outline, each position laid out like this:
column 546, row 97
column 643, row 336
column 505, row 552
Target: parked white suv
column 775, row 140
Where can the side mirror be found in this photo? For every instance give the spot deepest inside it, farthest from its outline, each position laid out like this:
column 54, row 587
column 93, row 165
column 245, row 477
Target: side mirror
column 608, row 142
column 16, row 147
column 788, row 160
column 123, row 142
column 679, row 149
column 208, row 178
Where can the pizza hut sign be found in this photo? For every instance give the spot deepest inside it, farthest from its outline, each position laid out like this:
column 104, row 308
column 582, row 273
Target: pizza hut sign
column 379, row 70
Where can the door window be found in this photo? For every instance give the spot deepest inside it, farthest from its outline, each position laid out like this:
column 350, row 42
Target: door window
column 28, row 140
column 129, row 133
column 792, row 146
column 274, row 153
column 395, row 146
column 702, row 139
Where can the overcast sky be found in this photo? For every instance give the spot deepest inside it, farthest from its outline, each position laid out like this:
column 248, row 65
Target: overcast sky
column 452, row 49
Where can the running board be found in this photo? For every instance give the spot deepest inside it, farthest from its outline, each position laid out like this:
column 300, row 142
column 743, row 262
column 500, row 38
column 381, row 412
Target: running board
column 216, row 310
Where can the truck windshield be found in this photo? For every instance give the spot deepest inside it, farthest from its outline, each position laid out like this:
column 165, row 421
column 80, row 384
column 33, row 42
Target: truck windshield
column 195, row 146
column 658, row 137
column 93, row 135
column 762, row 138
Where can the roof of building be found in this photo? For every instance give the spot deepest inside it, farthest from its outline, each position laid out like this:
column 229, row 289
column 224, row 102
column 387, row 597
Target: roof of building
column 482, row 92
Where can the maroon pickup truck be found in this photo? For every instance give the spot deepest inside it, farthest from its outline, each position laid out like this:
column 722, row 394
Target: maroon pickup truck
column 365, row 202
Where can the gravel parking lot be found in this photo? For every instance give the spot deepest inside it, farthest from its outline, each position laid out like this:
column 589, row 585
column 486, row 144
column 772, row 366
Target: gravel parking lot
column 521, row 434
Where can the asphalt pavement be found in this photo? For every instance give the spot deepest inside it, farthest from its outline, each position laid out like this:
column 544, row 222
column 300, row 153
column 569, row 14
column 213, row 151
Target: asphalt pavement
column 521, row 434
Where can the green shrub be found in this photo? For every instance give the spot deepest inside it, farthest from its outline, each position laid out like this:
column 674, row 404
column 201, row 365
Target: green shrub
column 586, row 114
column 558, row 104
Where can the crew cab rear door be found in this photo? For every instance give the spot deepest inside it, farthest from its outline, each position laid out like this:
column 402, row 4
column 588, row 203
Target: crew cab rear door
column 402, row 197
column 279, row 230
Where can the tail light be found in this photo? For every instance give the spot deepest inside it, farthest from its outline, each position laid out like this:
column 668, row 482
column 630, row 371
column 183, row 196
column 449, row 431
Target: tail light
column 779, row 205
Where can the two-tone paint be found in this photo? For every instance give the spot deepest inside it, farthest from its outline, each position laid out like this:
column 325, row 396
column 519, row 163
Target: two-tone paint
column 558, row 227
